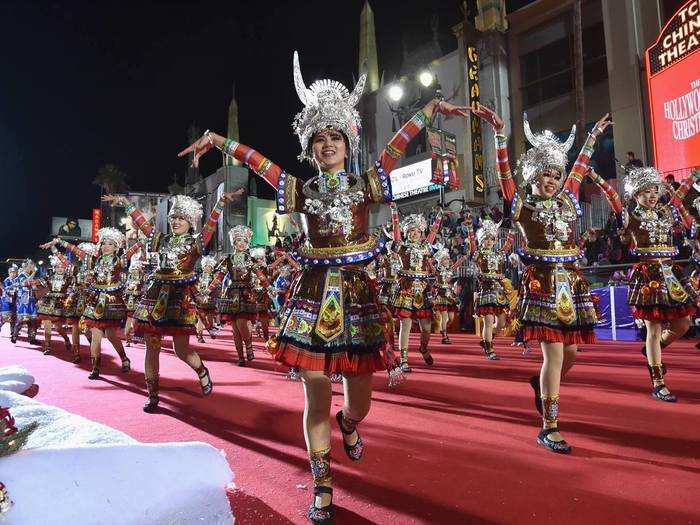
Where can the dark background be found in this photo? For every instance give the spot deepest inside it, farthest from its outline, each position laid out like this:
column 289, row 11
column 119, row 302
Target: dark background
column 83, row 85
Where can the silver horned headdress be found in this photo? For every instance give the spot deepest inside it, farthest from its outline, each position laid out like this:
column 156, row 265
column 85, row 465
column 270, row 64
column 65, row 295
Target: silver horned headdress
column 327, row 104
column 208, row 260
column 111, row 234
column 488, row 229
column 187, row 207
column 13, row 268
column 547, row 152
column 240, row 232
column 640, row 179
column 413, row 222
column 258, row 252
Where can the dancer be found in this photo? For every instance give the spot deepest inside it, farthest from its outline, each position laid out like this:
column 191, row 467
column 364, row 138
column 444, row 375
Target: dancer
column 51, row 307
column 412, row 302
column 555, row 304
column 445, row 300
column 237, row 304
column 658, row 291
column 75, row 298
column 27, row 282
column 206, row 299
column 132, row 292
column 167, row 305
column 332, row 321
column 261, row 285
column 491, row 298
column 105, row 311
column 8, row 301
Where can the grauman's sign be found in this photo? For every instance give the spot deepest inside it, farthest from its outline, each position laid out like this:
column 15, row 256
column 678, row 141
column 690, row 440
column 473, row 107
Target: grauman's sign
column 679, row 37
column 673, row 76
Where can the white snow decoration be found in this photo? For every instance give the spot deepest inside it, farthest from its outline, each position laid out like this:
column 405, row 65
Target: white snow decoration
column 15, row 378
column 73, row 470
column 158, row 484
column 58, row 428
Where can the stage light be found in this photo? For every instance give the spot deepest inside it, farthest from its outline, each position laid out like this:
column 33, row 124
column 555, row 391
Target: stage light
column 395, row 92
column 426, row 78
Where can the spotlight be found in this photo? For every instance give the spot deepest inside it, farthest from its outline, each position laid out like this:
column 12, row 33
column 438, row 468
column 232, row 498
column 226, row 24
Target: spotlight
column 426, row 78
column 395, row 92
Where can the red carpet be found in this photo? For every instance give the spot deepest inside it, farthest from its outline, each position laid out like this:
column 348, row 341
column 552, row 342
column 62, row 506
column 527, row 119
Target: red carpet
column 456, row 444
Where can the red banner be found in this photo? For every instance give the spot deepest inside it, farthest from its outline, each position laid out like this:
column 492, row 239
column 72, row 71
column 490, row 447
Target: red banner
column 96, row 220
column 673, row 76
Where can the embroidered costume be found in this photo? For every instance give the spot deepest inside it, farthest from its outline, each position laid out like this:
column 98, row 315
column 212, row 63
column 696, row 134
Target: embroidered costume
column 26, row 284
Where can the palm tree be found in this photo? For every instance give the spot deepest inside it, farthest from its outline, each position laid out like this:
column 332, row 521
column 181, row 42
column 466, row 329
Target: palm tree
column 111, row 179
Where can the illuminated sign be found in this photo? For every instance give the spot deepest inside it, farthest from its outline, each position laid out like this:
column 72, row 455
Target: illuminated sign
column 96, row 219
column 673, row 75
column 475, row 123
column 414, row 179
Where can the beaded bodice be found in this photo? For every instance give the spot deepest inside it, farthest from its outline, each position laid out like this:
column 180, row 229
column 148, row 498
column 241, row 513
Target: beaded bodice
column 414, row 257
column 59, row 282
column 106, row 270
column 177, row 254
column 489, row 262
column 548, row 226
column 651, row 230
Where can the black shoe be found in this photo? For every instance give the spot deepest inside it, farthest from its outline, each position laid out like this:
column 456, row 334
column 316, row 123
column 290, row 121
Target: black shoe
column 152, row 406
column 202, row 373
column 47, row 348
column 250, row 354
column 200, row 339
column 535, row 384
column 241, row 361
column 76, row 358
column 405, row 368
column 427, row 357
column 94, row 374
column 355, row 451
column 321, row 515
column 126, row 365
column 33, row 341
column 656, row 394
column 559, row 447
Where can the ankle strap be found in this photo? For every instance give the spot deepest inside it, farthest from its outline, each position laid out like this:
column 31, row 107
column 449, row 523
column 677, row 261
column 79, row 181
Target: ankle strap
column 548, row 431
column 322, row 489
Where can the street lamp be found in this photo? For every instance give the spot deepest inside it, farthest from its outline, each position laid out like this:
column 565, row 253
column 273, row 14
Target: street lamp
column 426, row 78
column 395, row 92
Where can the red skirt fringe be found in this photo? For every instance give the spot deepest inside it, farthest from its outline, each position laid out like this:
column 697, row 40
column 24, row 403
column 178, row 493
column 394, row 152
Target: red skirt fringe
column 52, row 318
column 335, row 363
column 667, row 313
column 490, row 310
column 144, row 328
column 413, row 314
column 551, row 335
column 243, row 315
column 109, row 323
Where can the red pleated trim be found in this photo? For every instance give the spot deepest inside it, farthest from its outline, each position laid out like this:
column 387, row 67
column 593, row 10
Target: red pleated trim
column 668, row 313
column 143, row 328
column 44, row 317
column 490, row 310
column 109, row 323
column 337, row 363
column 551, row 335
column 413, row 314
column 243, row 315
column 445, row 308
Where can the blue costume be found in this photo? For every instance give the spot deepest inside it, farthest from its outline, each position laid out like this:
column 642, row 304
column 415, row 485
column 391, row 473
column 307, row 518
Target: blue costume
column 26, row 305
column 8, row 300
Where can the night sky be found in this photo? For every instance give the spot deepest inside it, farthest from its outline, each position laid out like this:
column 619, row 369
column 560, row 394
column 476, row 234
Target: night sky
column 86, row 84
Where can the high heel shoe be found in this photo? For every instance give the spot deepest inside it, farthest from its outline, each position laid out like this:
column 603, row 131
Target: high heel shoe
column 355, row 451
column 203, row 372
column 95, row 372
column 321, row 515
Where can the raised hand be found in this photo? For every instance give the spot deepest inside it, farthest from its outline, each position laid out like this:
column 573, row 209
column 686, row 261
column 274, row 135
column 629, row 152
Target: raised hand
column 199, row 148
column 602, row 125
column 450, row 109
column 488, row 115
column 49, row 244
column 228, row 197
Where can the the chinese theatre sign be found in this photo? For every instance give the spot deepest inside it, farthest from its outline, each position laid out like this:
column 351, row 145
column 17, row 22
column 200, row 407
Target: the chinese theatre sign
column 673, row 74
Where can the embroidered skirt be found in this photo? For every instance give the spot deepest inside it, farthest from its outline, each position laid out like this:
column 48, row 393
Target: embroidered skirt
column 387, row 289
column 51, row 307
column 166, row 309
column 238, row 302
column 445, row 300
column 491, row 298
column 412, row 298
column 26, row 308
column 658, row 291
column 75, row 304
column 555, row 305
column 104, row 308
column 331, row 322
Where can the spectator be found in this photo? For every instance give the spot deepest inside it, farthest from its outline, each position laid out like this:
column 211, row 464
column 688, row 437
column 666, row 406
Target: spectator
column 633, row 161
